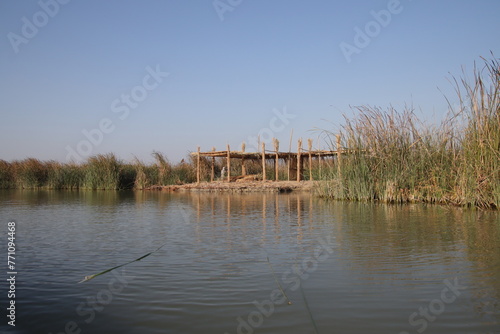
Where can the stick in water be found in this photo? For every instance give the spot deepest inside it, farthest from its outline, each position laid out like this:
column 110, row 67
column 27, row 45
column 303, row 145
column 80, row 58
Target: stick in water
column 309, row 310
column 278, row 283
column 88, row 278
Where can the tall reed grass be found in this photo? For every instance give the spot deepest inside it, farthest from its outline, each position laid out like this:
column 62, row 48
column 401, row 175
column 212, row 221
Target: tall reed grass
column 173, row 174
column 100, row 172
column 64, row 176
column 397, row 158
column 7, row 176
column 479, row 180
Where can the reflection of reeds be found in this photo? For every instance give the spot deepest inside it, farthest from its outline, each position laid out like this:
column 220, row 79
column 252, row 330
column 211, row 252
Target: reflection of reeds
column 397, row 158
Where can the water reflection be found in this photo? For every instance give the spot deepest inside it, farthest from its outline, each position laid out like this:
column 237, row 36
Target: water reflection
column 388, row 260
column 411, row 245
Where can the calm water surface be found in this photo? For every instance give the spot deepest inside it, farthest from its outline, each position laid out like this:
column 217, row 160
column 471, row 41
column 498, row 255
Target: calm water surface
column 345, row 267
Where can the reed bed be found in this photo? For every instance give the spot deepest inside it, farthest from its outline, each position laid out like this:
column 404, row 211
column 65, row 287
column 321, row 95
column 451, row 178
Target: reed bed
column 63, row 176
column 99, row 172
column 397, row 158
column 102, row 172
column 145, row 175
column 7, row 176
column 173, row 174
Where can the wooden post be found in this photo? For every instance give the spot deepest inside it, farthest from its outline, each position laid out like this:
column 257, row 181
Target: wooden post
column 212, row 173
column 320, row 164
column 243, row 166
column 263, row 161
column 276, row 164
column 309, row 146
column 339, row 155
column 288, row 165
column 198, row 166
column 299, row 160
column 228, row 163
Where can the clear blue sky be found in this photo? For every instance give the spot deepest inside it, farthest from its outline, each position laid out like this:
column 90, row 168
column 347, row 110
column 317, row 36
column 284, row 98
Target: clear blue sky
column 230, row 69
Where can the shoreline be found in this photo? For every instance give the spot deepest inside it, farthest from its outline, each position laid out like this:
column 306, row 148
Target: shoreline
column 250, row 186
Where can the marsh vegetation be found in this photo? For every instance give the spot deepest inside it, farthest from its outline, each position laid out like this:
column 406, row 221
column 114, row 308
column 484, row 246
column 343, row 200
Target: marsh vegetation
column 398, row 158
column 100, row 172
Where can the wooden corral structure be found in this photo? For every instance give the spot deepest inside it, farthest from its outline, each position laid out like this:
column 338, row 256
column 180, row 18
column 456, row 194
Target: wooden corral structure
column 294, row 160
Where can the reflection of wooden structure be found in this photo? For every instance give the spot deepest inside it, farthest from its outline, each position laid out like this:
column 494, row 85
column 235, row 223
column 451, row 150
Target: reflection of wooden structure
column 294, row 161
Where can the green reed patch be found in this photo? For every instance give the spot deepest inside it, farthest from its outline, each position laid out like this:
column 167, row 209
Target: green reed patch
column 396, row 157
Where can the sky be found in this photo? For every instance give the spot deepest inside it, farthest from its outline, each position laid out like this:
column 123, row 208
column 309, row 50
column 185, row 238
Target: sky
column 80, row 78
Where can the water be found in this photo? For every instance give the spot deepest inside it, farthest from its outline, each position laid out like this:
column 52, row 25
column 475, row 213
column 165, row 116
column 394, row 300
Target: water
column 345, row 267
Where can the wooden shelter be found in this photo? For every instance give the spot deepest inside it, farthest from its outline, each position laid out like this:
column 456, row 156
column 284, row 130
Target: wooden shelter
column 294, row 160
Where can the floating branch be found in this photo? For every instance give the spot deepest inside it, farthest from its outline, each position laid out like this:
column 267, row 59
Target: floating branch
column 88, row 278
column 278, row 283
column 309, row 310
